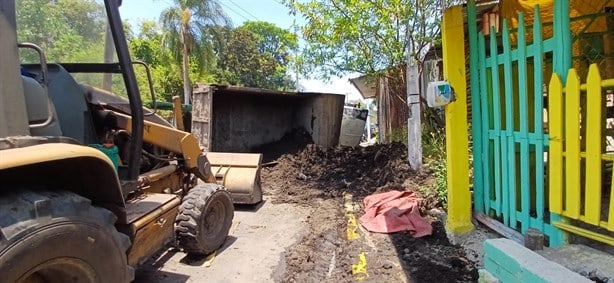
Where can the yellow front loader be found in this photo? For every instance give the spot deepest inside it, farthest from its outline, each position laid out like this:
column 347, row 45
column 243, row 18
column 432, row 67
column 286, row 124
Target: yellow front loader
column 91, row 184
column 239, row 173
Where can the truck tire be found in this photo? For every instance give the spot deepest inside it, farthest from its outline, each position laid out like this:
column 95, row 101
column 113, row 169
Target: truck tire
column 204, row 219
column 50, row 236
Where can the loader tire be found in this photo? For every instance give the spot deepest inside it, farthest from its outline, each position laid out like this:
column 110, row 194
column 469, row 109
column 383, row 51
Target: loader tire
column 58, row 236
column 204, row 219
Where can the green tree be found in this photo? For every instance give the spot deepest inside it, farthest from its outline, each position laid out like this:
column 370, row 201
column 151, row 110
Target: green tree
column 280, row 44
column 67, row 30
column 374, row 37
column 345, row 36
column 86, row 17
column 257, row 54
column 190, row 31
column 241, row 63
column 271, row 39
column 147, row 45
column 166, row 75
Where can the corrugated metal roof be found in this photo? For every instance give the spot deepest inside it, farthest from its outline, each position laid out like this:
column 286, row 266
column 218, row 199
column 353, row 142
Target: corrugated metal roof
column 511, row 8
column 366, row 86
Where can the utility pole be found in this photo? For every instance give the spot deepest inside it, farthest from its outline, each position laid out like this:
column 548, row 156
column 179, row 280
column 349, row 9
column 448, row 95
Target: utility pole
column 414, row 123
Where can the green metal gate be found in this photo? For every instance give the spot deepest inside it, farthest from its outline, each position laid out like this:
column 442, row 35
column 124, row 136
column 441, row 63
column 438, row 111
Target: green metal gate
column 509, row 140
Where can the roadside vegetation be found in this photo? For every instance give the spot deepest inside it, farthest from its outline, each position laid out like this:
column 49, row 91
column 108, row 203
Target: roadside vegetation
column 434, row 159
column 434, row 154
column 192, row 41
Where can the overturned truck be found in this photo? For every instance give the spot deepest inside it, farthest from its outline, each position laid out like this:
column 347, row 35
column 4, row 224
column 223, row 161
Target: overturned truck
column 240, row 119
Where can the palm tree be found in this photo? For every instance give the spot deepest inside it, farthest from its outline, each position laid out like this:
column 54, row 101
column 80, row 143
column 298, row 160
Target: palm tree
column 190, row 32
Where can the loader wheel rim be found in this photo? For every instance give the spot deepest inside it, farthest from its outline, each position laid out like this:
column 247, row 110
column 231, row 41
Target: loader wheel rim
column 214, row 218
column 60, row 270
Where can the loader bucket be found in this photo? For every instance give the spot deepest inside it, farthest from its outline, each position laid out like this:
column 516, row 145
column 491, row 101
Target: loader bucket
column 239, row 173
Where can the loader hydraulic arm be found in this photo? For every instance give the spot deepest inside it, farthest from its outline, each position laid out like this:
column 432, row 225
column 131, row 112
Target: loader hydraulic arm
column 173, row 140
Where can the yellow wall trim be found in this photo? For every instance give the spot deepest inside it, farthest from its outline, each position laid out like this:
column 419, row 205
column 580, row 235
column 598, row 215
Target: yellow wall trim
column 457, row 143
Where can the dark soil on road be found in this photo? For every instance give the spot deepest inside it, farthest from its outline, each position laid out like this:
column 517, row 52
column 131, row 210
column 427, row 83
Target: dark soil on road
column 319, row 177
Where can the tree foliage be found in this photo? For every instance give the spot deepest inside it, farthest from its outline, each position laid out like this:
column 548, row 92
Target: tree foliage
column 147, row 47
column 271, row 39
column 147, row 44
column 256, row 54
column 190, row 31
column 345, row 36
column 371, row 37
column 65, row 29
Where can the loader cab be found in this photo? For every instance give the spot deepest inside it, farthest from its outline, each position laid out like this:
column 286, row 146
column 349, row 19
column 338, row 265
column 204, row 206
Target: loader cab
column 39, row 93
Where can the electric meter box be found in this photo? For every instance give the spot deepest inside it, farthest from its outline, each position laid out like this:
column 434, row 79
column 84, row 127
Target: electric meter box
column 439, row 94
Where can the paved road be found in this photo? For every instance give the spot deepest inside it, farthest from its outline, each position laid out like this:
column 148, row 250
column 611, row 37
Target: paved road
column 253, row 252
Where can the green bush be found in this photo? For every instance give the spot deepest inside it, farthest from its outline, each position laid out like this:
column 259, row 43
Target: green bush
column 434, row 145
column 434, row 155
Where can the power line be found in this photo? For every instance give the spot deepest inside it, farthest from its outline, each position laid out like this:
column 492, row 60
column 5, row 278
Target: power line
column 234, row 11
column 241, row 8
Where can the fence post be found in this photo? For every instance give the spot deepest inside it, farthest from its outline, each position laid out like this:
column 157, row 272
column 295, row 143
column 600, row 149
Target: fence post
column 593, row 146
column 562, row 35
column 476, row 112
column 572, row 146
column 555, row 155
column 457, row 144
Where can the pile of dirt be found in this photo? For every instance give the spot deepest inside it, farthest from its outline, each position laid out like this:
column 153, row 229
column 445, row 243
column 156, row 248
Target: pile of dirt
column 319, row 177
column 291, row 143
column 424, row 257
column 329, row 172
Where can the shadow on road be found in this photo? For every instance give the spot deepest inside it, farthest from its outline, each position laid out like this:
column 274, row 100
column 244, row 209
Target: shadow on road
column 250, row 207
column 151, row 271
column 158, row 261
column 199, row 260
column 143, row 276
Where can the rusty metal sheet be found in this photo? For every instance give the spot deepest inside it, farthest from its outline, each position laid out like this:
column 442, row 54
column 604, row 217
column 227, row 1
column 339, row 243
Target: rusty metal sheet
column 202, row 101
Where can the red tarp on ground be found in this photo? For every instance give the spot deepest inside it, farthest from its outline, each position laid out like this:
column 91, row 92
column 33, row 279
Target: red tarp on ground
column 395, row 211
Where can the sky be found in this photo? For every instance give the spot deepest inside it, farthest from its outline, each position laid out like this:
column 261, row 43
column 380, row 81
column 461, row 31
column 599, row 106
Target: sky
column 240, row 11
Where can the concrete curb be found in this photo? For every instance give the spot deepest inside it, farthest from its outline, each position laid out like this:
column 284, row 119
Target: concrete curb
column 510, row 262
